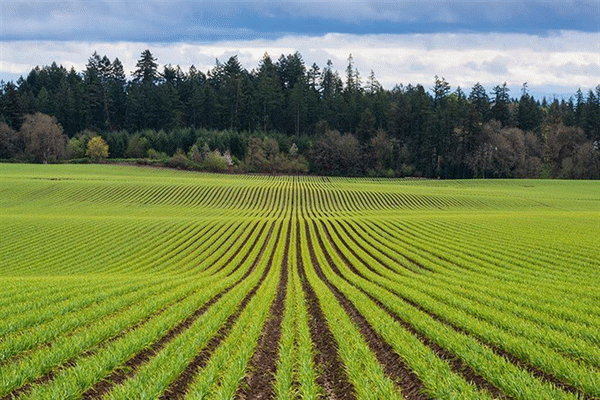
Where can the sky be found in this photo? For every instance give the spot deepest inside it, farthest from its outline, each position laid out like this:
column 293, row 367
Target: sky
column 552, row 45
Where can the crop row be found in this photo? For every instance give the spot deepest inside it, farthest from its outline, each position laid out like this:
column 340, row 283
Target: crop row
column 119, row 283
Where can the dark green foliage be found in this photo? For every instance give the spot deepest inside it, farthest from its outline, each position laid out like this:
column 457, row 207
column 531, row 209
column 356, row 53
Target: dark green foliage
column 500, row 110
column 146, row 72
column 436, row 132
column 529, row 112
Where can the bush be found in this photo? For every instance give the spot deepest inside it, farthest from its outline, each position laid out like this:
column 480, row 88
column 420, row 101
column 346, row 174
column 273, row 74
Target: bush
column 179, row 161
column 75, row 148
column 334, row 153
column 215, row 162
column 44, row 138
column 156, row 155
column 195, row 155
column 97, row 149
column 137, row 146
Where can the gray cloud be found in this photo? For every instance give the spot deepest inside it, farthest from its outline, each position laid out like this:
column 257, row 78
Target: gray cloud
column 497, row 66
column 590, row 69
column 174, row 20
column 556, row 64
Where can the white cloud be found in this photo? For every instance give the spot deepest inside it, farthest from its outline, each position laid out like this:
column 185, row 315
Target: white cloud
column 558, row 63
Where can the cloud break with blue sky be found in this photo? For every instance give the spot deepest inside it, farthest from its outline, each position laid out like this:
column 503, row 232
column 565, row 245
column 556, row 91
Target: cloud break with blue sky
column 552, row 45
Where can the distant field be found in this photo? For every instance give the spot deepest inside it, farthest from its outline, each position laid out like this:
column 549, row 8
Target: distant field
column 136, row 283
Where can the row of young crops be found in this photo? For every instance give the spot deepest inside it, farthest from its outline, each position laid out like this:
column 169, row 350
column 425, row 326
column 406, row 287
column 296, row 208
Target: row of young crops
column 123, row 282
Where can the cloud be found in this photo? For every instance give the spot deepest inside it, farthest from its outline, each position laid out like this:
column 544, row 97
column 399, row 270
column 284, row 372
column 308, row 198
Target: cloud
column 554, row 64
column 207, row 21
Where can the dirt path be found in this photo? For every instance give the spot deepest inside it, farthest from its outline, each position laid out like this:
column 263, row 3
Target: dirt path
column 179, row 387
column 258, row 384
column 119, row 375
column 331, row 374
column 457, row 364
column 394, row 367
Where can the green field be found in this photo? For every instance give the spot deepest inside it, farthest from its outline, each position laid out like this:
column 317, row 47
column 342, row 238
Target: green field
column 122, row 282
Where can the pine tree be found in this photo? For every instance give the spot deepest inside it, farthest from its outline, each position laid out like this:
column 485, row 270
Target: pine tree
column 480, row 102
column 269, row 94
column 529, row 115
column 118, row 97
column 500, row 111
column 146, row 71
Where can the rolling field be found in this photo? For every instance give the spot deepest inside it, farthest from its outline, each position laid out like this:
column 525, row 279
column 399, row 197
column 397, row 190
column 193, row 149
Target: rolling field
column 136, row 283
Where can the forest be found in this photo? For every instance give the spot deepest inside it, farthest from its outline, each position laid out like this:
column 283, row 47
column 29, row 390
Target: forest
column 286, row 117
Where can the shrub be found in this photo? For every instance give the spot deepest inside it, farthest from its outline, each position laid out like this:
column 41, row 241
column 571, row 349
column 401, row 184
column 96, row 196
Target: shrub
column 97, row 149
column 215, row 162
column 179, row 160
column 156, row 155
column 75, row 148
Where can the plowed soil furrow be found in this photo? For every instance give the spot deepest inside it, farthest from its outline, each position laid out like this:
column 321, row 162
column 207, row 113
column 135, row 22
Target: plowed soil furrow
column 247, row 254
column 246, row 239
column 27, row 387
column 48, row 377
column 455, row 363
column 538, row 373
column 119, row 375
column 371, row 237
column 459, row 366
column 179, row 387
column 332, row 376
column 421, row 267
column 394, row 367
column 263, row 365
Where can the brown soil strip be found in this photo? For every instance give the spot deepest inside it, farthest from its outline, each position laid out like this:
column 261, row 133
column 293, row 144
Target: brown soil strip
column 42, row 379
column 538, row 373
column 332, row 376
column 394, row 367
column 456, row 364
column 246, row 239
column 179, row 387
column 27, row 387
column 46, row 345
column 247, row 254
column 48, row 377
column 413, row 261
column 119, row 375
column 263, row 365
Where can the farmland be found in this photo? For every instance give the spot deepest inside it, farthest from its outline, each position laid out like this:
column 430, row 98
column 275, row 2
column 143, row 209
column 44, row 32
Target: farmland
column 123, row 282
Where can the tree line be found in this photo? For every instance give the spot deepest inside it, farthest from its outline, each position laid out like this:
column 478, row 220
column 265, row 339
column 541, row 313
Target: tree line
column 284, row 116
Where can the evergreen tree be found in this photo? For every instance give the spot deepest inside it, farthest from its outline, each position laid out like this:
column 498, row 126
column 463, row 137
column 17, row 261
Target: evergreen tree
column 440, row 91
column 117, row 83
column 500, row 109
column 529, row 115
column 480, row 102
column 232, row 93
column 146, row 72
column 194, row 98
column 94, row 93
column 331, row 95
column 294, row 80
column 269, row 95
column 590, row 120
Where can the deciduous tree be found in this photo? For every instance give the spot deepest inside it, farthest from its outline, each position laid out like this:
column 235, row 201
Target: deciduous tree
column 44, row 137
column 97, row 149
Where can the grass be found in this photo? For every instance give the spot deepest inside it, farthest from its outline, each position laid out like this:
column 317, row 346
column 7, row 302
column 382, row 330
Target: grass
column 99, row 262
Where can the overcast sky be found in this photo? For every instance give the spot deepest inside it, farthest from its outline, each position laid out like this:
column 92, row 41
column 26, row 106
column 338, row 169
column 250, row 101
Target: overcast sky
column 553, row 45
